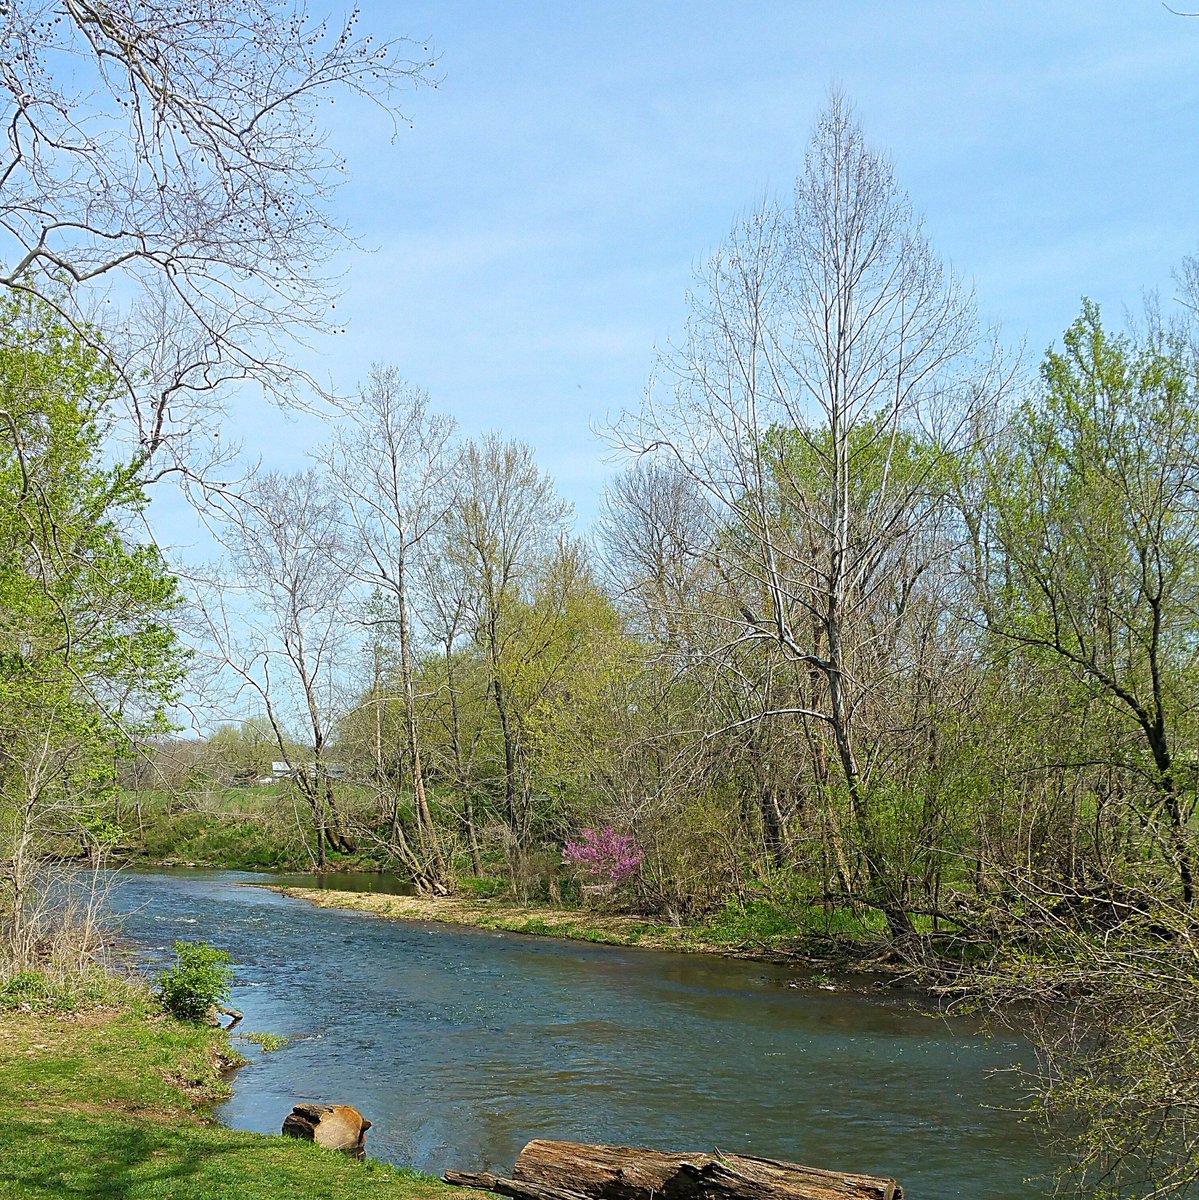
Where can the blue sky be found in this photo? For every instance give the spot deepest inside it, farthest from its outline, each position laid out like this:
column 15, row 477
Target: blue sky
column 534, row 229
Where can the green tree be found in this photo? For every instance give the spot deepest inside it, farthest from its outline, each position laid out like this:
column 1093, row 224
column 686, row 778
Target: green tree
column 1093, row 556
column 243, row 753
column 1086, row 548
column 88, row 663
column 505, row 526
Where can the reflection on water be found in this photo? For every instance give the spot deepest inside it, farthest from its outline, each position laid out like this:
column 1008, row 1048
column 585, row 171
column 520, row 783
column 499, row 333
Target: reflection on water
column 461, row 1045
column 348, row 881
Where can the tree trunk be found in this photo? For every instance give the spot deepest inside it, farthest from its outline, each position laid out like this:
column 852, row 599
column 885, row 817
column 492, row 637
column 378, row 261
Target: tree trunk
column 472, row 837
column 772, row 824
column 501, row 703
column 468, row 807
column 511, row 1188
column 334, row 1126
column 334, row 829
column 1163, row 759
column 878, row 874
column 424, row 816
column 309, row 792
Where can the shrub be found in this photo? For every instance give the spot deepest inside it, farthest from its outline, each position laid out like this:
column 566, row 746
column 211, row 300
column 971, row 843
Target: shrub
column 605, row 856
column 25, row 987
column 201, row 977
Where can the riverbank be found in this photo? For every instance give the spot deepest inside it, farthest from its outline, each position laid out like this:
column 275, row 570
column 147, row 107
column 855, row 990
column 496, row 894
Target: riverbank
column 730, row 939
column 106, row 1099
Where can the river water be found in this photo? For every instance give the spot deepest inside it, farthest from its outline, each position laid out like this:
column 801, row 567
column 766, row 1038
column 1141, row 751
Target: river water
column 461, row 1045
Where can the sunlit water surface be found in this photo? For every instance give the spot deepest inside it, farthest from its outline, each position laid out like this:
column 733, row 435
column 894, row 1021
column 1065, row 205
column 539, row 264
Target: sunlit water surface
column 461, row 1045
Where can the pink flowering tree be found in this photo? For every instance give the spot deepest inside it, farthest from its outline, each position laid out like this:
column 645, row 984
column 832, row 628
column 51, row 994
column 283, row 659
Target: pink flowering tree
column 605, row 857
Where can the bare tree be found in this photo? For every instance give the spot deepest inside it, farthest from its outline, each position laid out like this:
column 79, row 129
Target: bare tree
column 279, row 620
column 448, row 602
column 390, row 462
column 812, row 403
column 504, row 524
column 657, row 535
column 173, row 152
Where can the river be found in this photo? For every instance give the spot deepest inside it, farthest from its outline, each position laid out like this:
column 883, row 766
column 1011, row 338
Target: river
column 461, row 1045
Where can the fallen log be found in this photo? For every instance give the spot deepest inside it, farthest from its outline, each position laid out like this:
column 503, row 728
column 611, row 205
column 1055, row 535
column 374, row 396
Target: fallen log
column 508, row 1187
column 744, row 1177
column 548, row 1170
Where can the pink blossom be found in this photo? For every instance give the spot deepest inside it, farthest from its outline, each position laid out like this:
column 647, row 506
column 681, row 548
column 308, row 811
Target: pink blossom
column 607, row 855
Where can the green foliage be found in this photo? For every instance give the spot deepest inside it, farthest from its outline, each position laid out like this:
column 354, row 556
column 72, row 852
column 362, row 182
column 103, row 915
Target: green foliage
column 80, row 601
column 753, row 921
column 1095, row 562
column 243, row 753
column 88, row 662
column 792, row 924
column 532, row 925
column 25, row 987
column 900, row 468
column 201, row 977
column 223, row 842
column 239, row 828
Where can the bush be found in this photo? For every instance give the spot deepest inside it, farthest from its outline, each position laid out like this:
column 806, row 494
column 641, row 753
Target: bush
column 201, row 977
column 25, row 987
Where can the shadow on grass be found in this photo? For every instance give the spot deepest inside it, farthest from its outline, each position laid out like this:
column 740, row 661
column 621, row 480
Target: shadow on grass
column 106, row 1158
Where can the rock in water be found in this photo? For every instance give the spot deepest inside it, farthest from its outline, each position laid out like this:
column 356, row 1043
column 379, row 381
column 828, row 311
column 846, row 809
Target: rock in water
column 338, row 1126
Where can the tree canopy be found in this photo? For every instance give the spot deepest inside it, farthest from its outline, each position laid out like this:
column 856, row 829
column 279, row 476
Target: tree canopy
column 89, row 664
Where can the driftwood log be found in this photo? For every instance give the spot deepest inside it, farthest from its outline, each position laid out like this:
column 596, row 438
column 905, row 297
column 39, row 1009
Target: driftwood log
column 337, row 1126
column 548, row 1170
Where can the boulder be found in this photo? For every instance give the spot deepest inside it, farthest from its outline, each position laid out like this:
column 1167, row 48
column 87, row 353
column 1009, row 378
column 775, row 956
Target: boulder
column 337, row 1126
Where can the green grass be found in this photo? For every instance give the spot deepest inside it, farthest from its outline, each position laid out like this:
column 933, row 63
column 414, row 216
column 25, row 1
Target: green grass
column 784, row 925
column 224, row 840
column 36, row 992
column 269, row 1042
column 483, row 887
column 643, row 929
column 239, row 828
column 756, row 921
column 107, row 1104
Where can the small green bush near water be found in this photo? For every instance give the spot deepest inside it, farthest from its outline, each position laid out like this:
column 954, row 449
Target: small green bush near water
column 201, row 977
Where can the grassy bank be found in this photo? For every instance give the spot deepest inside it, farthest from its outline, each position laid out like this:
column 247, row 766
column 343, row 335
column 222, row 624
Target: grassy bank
column 237, row 828
column 757, row 932
column 103, row 1098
